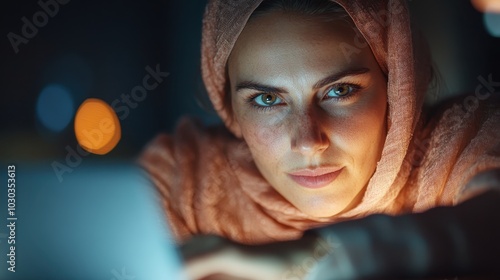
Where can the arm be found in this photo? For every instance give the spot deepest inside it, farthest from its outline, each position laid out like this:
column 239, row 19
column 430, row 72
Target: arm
column 444, row 241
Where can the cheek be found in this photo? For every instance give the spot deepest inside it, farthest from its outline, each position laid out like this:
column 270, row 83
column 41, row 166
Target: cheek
column 267, row 139
column 365, row 130
column 375, row 119
column 369, row 132
column 357, row 132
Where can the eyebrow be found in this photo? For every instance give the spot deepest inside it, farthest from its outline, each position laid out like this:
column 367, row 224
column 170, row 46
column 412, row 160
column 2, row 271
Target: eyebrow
column 258, row 87
column 323, row 82
column 339, row 75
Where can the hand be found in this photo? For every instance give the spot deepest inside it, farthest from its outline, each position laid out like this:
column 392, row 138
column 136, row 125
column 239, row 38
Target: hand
column 482, row 182
column 213, row 257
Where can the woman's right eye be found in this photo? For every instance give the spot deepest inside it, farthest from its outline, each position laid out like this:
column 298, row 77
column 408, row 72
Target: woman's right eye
column 267, row 99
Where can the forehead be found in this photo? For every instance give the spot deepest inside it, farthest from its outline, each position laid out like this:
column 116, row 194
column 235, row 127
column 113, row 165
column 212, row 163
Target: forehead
column 281, row 43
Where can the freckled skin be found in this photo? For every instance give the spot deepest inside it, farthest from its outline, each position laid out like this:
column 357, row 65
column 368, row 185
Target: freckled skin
column 294, row 52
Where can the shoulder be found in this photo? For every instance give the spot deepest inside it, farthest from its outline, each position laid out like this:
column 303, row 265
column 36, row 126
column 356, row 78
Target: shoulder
column 189, row 139
column 191, row 171
column 468, row 108
column 186, row 154
column 459, row 139
column 462, row 118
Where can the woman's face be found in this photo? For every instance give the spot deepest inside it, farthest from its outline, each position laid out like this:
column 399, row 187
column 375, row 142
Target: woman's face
column 311, row 107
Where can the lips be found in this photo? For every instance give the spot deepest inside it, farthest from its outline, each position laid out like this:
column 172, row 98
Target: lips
column 314, row 178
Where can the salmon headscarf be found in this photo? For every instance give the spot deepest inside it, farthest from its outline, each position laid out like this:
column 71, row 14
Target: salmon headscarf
column 209, row 182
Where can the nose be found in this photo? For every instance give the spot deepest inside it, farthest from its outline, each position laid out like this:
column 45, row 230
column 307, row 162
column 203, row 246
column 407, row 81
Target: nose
column 308, row 136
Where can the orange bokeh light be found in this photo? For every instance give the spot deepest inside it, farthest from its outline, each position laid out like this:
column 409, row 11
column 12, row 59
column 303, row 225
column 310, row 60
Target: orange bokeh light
column 97, row 127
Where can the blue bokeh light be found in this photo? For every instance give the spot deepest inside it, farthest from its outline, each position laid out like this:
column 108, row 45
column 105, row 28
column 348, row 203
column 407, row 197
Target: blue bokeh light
column 492, row 23
column 55, row 107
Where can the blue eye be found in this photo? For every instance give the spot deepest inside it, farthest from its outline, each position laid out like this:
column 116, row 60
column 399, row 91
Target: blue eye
column 340, row 90
column 267, row 99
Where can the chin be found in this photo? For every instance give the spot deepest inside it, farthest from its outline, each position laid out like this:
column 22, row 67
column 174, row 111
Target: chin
column 322, row 211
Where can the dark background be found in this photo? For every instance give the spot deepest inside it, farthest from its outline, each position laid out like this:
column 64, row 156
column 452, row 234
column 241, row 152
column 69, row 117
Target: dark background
column 101, row 48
